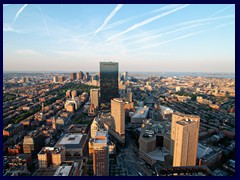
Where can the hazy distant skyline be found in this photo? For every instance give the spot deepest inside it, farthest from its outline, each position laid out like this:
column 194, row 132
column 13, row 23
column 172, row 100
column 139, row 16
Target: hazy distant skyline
column 148, row 38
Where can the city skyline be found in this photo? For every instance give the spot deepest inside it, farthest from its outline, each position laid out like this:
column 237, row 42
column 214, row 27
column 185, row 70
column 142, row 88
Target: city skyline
column 149, row 38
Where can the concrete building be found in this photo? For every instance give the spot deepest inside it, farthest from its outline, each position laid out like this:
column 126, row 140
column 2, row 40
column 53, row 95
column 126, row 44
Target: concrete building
column 94, row 94
column 73, row 76
column 74, row 94
column 99, row 146
column 184, row 135
column 166, row 112
column 69, row 168
column 55, row 79
column 129, row 96
column 51, row 157
column 68, row 94
column 125, row 75
column 118, row 114
column 61, row 79
column 74, row 145
column 140, row 115
column 33, row 142
column 80, row 75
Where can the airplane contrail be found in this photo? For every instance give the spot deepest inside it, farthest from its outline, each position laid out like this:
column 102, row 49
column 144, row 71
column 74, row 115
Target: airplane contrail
column 167, row 41
column 182, row 37
column 181, row 25
column 154, row 36
column 110, row 16
column 123, row 21
column 19, row 12
column 220, row 11
column 43, row 20
column 147, row 21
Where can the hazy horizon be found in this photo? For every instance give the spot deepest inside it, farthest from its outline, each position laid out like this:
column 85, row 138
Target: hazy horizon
column 142, row 38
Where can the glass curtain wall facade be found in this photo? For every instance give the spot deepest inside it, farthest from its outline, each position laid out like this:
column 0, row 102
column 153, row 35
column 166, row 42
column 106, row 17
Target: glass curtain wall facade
column 108, row 81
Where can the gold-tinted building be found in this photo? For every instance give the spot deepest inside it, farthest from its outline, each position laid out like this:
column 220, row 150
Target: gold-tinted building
column 118, row 113
column 50, row 156
column 94, row 94
column 184, row 136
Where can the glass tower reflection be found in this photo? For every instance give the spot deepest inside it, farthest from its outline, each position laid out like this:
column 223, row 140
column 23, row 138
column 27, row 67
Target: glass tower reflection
column 108, row 81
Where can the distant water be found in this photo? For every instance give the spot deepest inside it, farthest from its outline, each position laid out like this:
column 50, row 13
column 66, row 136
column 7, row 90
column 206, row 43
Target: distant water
column 148, row 74
column 181, row 74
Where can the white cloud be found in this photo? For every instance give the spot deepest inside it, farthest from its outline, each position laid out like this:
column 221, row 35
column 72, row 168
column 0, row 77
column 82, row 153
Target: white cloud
column 9, row 28
column 28, row 52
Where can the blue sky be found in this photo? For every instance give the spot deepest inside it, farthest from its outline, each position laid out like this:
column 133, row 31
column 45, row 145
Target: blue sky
column 149, row 38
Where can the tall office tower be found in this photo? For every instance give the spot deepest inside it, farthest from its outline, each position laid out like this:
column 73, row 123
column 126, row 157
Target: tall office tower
column 118, row 113
column 55, row 79
column 81, row 75
column 78, row 75
column 61, row 78
column 184, row 135
column 108, row 81
column 100, row 153
column 95, row 77
column 88, row 76
column 27, row 79
column 23, row 79
column 74, row 93
column 73, row 76
column 125, row 74
column 68, row 94
column 129, row 96
column 94, row 94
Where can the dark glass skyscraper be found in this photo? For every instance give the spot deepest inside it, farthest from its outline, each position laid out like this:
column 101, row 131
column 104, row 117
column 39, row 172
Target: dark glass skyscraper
column 108, row 81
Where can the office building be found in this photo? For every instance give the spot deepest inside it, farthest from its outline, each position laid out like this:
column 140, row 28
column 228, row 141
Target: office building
column 129, row 96
column 184, row 135
column 61, row 79
column 74, row 145
column 94, row 94
column 74, row 94
column 68, row 94
column 80, row 75
column 50, row 157
column 69, row 168
column 33, row 142
column 118, row 114
column 108, row 81
column 55, row 79
column 73, row 76
column 140, row 115
column 125, row 76
column 99, row 148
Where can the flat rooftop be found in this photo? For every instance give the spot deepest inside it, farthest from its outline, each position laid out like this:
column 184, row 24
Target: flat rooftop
column 203, row 150
column 118, row 99
column 186, row 122
column 53, row 150
column 63, row 171
column 71, row 139
column 101, row 133
column 158, row 154
column 75, row 140
column 141, row 112
column 44, row 172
